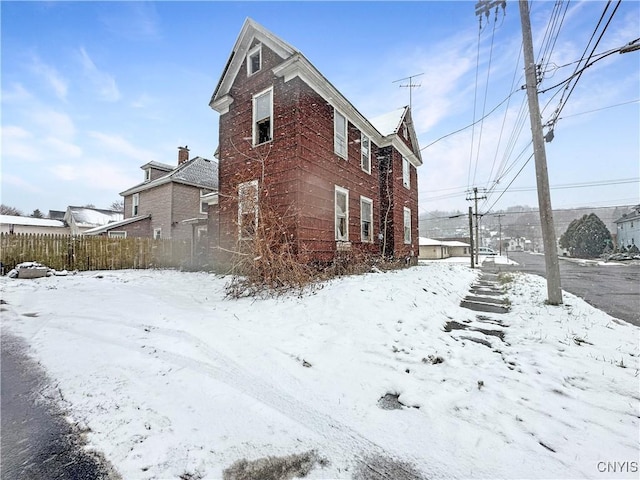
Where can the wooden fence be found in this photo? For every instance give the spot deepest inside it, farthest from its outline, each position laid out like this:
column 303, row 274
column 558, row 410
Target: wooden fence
column 92, row 252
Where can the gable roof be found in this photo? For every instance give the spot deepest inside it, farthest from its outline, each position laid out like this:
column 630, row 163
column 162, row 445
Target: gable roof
column 296, row 65
column 627, row 217
column 198, row 172
column 112, row 225
column 91, row 217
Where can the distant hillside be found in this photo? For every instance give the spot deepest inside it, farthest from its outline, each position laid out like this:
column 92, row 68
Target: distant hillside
column 516, row 221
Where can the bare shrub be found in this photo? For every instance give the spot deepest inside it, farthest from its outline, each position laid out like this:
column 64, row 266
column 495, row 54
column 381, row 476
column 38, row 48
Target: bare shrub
column 274, row 468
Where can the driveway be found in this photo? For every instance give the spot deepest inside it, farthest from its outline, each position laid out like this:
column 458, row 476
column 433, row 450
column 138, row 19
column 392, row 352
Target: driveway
column 613, row 288
column 37, row 441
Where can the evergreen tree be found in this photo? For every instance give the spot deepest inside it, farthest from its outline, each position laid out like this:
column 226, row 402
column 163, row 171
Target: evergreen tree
column 37, row 214
column 587, row 237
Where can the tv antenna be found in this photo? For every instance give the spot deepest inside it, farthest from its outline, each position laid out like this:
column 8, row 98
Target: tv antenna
column 410, row 85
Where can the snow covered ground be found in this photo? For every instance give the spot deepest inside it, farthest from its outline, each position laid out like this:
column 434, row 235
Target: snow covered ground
column 173, row 379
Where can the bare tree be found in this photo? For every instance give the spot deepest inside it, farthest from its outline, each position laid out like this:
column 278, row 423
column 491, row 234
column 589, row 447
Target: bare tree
column 117, row 206
column 7, row 210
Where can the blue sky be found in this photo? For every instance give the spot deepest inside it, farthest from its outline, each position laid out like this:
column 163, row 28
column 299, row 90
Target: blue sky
column 91, row 91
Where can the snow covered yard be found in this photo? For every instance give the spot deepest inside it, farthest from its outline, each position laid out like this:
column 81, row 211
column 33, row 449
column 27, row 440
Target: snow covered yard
column 173, row 379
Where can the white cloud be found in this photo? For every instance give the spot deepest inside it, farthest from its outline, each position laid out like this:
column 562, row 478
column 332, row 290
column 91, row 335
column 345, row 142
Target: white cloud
column 15, row 181
column 53, row 123
column 18, row 142
column 61, row 148
column 96, row 175
column 118, row 144
column 15, row 94
column 104, row 83
column 51, row 76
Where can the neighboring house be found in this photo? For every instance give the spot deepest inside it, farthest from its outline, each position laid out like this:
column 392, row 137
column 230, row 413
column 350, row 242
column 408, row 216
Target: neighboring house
column 81, row 219
column 431, row 249
column 15, row 224
column 286, row 134
column 457, row 248
column 628, row 229
column 171, row 201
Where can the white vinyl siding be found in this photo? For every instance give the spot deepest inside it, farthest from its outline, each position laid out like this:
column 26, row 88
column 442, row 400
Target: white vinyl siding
column 407, row 225
column 263, row 117
column 365, row 153
column 366, row 220
column 340, row 134
column 342, row 214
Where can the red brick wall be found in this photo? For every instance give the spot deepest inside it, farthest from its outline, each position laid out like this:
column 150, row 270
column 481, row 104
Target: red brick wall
column 300, row 167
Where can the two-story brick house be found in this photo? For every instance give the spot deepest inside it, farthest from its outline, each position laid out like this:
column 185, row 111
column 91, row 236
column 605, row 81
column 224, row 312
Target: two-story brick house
column 343, row 182
column 170, row 202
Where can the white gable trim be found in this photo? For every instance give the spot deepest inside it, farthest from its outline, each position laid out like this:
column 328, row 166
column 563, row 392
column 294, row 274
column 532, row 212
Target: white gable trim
column 250, row 31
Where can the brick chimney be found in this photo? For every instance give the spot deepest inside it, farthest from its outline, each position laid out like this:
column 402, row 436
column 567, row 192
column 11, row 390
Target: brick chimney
column 183, row 155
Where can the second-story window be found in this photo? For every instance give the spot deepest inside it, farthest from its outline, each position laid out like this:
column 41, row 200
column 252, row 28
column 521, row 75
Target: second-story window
column 340, row 134
column 254, row 60
column 147, row 174
column 263, row 117
column 365, row 153
column 406, row 172
column 135, row 204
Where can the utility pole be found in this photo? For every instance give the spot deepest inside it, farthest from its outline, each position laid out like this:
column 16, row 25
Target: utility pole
column 471, row 235
column 476, row 198
column 554, row 290
column 500, row 231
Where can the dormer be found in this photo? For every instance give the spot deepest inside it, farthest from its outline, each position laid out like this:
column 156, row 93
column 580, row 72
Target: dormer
column 153, row 170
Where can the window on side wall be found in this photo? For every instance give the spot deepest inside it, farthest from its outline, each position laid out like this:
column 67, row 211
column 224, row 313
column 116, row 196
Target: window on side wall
column 406, row 173
column 254, row 60
column 157, row 233
column 204, row 206
column 365, row 153
column 117, row 234
column 263, row 117
column 342, row 214
column 407, row 225
column 135, row 204
column 340, row 134
column 247, row 209
column 366, row 220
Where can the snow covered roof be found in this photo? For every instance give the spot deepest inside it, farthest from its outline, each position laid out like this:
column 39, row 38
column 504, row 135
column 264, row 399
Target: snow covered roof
column 389, row 123
column 429, row 242
column 30, row 221
column 199, row 172
column 91, row 217
column 455, row 243
column 112, row 225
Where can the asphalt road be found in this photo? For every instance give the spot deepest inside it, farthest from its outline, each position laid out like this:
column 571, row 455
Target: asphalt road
column 37, row 441
column 614, row 289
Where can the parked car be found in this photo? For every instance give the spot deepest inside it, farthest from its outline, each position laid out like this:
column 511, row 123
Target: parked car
column 486, row 251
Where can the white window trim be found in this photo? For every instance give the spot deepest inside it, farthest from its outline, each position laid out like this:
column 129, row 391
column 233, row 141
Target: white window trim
column 335, row 214
column 157, row 233
column 254, row 133
column 117, row 234
column 203, row 202
column 406, row 172
column 252, row 52
column 135, row 204
column 368, row 201
column 344, row 154
column 406, row 216
column 242, row 188
column 368, row 152
column 147, row 174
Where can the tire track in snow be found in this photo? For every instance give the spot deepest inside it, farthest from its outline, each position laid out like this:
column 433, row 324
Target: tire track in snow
column 340, row 438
